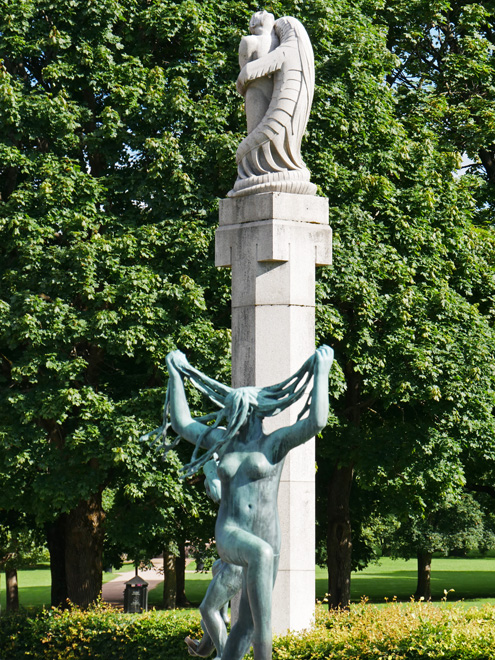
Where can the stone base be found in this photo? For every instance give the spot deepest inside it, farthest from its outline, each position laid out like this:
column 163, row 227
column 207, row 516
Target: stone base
column 272, row 242
column 273, row 206
column 294, row 182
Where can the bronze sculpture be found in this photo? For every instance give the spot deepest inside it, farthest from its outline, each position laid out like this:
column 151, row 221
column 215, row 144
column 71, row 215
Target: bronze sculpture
column 226, row 583
column 247, row 532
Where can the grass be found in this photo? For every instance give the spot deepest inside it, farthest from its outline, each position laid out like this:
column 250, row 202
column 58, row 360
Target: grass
column 35, row 586
column 472, row 579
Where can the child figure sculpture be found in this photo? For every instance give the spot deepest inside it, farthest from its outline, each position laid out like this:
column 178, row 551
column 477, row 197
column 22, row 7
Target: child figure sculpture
column 250, row 462
column 260, row 42
column 277, row 82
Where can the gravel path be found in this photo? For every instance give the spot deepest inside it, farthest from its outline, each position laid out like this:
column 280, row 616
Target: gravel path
column 113, row 591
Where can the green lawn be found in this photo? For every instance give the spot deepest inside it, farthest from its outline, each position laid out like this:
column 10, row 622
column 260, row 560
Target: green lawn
column 472, row 579
column 34, row 587
column 196, row 586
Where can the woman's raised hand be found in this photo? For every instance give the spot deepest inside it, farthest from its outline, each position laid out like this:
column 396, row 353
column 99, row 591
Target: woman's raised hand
column 177, row 359
column 324, row 357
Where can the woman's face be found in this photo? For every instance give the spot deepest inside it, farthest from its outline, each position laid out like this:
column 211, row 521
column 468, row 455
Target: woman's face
column 239, row 406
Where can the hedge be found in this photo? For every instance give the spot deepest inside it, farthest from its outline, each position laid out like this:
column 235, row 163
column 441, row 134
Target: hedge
column 98, row 634
column 393, row 632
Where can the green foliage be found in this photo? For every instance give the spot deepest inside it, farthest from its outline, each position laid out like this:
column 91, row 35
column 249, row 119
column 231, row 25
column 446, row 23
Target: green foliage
column 21, row 543
column 119, row 123
column 408, row 303
column 117, row 138
column 457, row 526
column 157, row 511
column 99, row 633
column 399, row 306
column 396, row 632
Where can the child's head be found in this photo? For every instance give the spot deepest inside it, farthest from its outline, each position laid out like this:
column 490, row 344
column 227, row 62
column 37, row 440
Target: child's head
column 261, row 23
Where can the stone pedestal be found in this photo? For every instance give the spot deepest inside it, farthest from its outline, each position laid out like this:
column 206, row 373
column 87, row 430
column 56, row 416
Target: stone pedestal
column 272, row 242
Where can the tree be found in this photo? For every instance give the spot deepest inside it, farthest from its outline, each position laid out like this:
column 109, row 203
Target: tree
column 407, row 304
column 447, row 75
column 446, row 72
column 449, row 527
column 154, row 512
column 108, row 205
column 20, row 545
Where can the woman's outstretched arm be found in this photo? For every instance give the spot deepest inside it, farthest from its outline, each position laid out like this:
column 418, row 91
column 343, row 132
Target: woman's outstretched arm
column 283, row 440
column 180, row 415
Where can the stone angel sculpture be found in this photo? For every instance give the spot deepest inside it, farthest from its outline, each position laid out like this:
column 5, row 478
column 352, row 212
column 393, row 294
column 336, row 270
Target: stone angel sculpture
column 277, row 82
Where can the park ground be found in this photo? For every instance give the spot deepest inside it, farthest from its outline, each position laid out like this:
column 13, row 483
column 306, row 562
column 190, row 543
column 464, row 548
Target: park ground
column 470, row 580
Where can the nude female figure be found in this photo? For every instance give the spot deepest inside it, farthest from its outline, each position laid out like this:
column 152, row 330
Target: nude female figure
column 247, row 531
column 226, row 583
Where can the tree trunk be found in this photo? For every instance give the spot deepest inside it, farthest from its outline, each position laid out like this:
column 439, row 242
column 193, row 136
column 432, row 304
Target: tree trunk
column 487, row 157
column 12, row 590
column 169, row 581
column 180, row 571
column 55, row 537
column 423, row 589
column 339, row 542
column 83, row 551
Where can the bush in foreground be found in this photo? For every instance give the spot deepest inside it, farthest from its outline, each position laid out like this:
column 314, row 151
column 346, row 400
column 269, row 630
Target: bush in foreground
column 395, row 632
column 100, row 634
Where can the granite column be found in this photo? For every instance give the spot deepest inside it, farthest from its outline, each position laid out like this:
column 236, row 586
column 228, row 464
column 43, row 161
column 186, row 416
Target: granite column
column 272, row 242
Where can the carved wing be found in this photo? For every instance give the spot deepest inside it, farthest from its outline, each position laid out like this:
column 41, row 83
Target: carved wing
column 269, row 157
column 303, row 107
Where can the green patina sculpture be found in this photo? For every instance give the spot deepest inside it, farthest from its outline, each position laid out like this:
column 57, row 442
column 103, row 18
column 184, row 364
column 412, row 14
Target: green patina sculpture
column 250, row 462
column 226, row 583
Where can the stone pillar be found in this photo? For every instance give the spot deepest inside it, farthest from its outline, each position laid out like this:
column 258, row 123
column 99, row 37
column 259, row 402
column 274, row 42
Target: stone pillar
column 272, row 241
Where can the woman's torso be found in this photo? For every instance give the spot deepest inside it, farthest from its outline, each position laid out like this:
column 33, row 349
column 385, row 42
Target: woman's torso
column 249, row 490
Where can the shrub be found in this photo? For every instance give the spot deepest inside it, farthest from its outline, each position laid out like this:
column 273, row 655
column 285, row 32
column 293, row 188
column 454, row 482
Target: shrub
column 396, row 632
column 98, row 634
column 393, row 632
